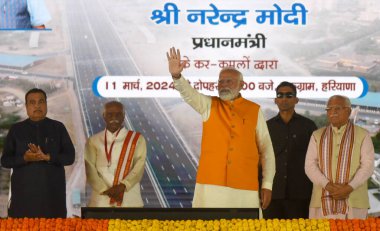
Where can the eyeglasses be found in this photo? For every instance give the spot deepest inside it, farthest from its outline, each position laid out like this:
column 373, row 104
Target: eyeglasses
column 335, row 108
column 285, row 95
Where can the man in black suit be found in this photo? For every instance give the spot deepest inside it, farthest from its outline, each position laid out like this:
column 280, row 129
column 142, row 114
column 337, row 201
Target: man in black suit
column 290, row 134
column 37, row 149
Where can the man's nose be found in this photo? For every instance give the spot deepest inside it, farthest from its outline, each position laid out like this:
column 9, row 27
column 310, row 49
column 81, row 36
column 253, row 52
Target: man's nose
column 222, row 83
column 335, row 109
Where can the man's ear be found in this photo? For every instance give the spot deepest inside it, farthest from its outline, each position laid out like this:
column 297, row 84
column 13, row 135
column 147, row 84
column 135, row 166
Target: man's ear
column 241, row 84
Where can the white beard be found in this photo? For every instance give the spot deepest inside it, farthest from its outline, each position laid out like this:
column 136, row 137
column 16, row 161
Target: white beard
column 227, row 94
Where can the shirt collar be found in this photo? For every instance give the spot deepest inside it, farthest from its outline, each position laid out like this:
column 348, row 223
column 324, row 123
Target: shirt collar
column 112, row 136
column 295, row 116
column 238, row 99
column 36, row 122
column 342, row 128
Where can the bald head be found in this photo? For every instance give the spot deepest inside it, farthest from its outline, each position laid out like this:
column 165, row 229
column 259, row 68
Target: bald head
column 113, row 103
column 232, row 70
column 338, row 110
column 345, row 99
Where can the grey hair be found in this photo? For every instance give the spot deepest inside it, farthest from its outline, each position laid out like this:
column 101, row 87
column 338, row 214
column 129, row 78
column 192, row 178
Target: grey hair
column 347, row 101
column 233, row 69
column 114, row 102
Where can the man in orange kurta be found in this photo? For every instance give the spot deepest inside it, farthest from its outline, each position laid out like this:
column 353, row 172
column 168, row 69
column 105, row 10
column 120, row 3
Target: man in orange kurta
column 235, row 142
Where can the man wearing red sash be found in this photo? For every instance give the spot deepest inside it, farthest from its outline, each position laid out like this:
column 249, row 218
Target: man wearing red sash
column 115, row 160
column 339, row 161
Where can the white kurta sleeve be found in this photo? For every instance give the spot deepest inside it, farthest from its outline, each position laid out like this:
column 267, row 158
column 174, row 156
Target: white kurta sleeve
column 39, row 14
column 312, row 169
column 200, row 102
column 93, row 178
column 264, row 145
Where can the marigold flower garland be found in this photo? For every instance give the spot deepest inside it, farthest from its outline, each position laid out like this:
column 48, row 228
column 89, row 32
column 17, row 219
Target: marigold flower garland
column 76, row 224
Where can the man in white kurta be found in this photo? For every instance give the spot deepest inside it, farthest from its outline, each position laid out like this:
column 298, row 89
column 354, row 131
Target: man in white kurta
column 331, row 198
column 211, row 195
column 101, row 168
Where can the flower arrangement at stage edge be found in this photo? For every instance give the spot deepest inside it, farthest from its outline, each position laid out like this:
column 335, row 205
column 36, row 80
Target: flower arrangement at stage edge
column 76, row 224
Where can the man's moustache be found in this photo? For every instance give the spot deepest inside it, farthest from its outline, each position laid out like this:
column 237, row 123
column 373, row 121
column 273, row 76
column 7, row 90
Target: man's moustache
column 225, row 90
column 114, row 121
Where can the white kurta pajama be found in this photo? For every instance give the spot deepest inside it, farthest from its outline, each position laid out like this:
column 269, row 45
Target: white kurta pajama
column 362, row 173
column 100, row 175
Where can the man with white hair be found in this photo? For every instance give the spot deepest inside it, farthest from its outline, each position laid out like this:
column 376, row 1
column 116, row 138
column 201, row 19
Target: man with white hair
column 115, row 160
column 235, row 141
column 339, row 161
